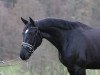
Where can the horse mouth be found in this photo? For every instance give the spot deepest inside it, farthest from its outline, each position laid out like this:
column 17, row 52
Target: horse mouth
column 23, row 57
column 24, row 54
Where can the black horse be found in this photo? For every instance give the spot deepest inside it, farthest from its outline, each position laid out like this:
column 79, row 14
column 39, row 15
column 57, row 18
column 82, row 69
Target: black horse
column 78, row 44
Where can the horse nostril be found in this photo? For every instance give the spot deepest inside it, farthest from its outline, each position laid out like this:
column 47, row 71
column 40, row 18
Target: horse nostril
column 21, row 57
column 22, row 54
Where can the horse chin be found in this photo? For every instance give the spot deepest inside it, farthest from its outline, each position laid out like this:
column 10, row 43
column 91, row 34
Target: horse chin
column 25, row 57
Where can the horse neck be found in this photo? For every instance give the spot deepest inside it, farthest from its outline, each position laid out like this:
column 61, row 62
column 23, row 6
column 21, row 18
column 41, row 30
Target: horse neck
column 55, row 36
column 55, row 30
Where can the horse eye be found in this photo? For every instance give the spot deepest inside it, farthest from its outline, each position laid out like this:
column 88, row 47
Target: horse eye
column 30, row 33
column 36, row 31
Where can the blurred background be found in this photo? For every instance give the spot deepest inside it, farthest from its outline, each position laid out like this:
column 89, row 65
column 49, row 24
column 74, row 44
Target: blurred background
column 45, row 60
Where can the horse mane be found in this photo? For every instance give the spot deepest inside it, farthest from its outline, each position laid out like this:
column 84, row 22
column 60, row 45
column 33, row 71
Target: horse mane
column 61, row 24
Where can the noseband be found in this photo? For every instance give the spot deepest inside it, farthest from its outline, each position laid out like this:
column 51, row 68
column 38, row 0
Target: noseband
column 31, row 47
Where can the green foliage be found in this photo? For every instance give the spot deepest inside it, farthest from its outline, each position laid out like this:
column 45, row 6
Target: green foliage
column 12, row 70
column 19, row 69
column 9, row 3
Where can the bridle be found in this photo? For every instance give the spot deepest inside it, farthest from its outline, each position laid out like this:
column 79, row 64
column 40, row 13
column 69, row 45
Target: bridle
column 31, row 47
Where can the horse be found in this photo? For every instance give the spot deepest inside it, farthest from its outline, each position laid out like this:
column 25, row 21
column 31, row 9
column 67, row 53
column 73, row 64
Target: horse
column 78, row 45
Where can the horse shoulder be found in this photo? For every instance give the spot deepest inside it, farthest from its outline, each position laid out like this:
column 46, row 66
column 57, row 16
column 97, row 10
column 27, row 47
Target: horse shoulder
column 74, row 52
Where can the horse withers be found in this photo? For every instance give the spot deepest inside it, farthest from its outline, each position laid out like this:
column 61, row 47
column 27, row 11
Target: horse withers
column 78, row 44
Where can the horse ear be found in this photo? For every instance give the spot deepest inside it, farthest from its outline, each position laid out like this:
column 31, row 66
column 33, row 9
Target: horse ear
column 31, row 21
column 24, row 21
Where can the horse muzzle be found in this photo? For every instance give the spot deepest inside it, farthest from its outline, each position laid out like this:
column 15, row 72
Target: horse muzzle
column 24, row 54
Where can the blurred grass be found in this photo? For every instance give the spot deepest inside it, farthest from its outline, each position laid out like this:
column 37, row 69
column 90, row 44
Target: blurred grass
column 50, row 69
column 12, row 70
